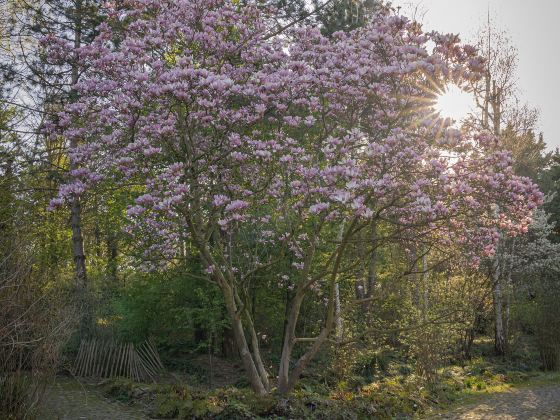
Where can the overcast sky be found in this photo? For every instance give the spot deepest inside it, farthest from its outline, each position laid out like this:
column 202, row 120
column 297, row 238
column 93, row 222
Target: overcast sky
column 534, row 27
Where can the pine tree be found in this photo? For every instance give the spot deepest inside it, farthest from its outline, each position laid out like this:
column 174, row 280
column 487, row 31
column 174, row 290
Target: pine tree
column 47, row 87
column 345, row 15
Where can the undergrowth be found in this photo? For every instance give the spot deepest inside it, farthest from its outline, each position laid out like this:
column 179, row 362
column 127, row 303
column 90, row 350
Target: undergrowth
column 393, row 392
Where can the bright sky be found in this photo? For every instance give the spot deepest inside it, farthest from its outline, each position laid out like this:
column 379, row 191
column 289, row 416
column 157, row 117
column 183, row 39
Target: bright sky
column 535, row 30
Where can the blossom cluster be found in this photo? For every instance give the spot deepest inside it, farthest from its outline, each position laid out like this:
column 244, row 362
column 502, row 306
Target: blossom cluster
column 231, row 129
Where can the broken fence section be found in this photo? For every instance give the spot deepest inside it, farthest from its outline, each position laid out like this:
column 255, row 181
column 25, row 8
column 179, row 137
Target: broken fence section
column 109, row 359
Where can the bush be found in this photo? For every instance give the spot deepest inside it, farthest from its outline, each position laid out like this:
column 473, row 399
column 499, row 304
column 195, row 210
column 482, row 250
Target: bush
column 183, row 315
column 14, row 396
column 540, row 315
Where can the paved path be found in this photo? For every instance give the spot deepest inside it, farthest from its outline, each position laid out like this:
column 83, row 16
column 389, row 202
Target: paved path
column 539, row 403
column 67, row 399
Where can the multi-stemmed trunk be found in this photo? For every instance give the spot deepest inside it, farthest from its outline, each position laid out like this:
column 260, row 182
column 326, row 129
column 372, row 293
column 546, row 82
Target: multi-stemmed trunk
column 246, row 338
column 287, row 378
column 254, row 370
column 289, row 342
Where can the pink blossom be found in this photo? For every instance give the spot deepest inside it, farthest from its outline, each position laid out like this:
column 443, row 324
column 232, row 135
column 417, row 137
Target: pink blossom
column 236, row 205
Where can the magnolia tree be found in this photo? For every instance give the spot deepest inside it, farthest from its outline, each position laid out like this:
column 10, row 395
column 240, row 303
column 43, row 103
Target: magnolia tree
column 271, row 153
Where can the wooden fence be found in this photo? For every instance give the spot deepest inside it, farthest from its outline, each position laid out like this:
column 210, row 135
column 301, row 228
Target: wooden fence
column 109, row 359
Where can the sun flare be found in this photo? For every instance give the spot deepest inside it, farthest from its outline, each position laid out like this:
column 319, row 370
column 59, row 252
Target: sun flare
column 454, row 103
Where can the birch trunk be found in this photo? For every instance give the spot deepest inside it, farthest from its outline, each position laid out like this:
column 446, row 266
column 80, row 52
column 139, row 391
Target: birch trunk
column 497, row 294
column 338, row 329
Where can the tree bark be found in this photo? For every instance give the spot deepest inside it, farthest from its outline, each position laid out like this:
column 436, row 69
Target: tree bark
column 241, row 342
column 287, row 379
column 425, row 285
column 417, row 290
column 289, row 341
column 337, row 308
column 509, row 289
column 80, row 273
column 338, row 317
column 372, row 264
column 257, row 359
column 360, row 282
column 225, row 279
column 7, row 236
column 78, row 253
column 112, row 253
column 499, row 336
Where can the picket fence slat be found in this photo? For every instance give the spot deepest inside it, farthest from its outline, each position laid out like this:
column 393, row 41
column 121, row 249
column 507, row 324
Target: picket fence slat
column 109, row 359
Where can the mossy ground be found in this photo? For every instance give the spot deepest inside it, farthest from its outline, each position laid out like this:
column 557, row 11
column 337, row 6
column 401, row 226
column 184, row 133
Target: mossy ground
column 391, row 395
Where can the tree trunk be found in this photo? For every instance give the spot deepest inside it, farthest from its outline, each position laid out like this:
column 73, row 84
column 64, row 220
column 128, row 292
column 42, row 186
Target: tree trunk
column 112, row 253
column 80, row 273
column 306, row 358
column 241, row 342
column 287, row 379
column 78, row 253
column 337, row 308
column 470, row 335
column 372, row 264
column 257, row 359
column 7, row 237
column 252, row 363
column 359, row 283
column 509, row 289
column 338, row 330
column 499, row 336
column 425, row 286
column 416, row 289
column 289, row 337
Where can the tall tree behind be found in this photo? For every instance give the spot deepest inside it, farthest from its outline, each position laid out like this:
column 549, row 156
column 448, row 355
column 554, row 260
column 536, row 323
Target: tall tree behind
column 492, row 94
column 345, row 15
column 501, row 113
column 528, row 150
column 50, row 84
column 549, row 182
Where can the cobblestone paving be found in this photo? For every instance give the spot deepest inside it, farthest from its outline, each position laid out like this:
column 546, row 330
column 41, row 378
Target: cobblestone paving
column 67, row 399
column 539, row 403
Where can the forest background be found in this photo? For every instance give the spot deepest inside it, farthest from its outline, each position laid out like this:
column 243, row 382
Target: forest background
column 112, row 229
